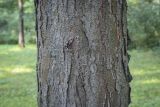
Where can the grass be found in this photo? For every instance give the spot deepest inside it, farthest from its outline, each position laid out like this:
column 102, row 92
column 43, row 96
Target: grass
column 18, row 77
column 145, row 68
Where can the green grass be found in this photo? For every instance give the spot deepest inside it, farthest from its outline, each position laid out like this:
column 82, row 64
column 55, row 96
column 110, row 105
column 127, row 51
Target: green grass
column 145, row 69
column 18, row 77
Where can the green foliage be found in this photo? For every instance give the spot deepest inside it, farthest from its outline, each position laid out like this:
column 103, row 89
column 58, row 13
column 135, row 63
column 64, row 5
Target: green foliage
column 29, row 19
column 9, row 21
column 144, row 23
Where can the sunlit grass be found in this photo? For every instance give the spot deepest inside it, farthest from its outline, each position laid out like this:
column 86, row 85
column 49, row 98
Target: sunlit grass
column 151, row 81
column 18, row 77
column 21, row 70
column 145, row 68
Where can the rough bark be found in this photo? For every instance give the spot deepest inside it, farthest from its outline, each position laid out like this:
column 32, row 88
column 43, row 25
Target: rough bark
column 21, row 40
column 82, row 53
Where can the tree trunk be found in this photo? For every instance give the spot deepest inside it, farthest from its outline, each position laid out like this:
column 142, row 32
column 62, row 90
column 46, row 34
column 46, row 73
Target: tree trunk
column 21, row 41
column 82, row 53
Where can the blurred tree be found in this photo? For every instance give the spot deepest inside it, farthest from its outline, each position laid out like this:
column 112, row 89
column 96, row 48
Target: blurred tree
column 144, row 23
column 21, row 40
column 9, row 19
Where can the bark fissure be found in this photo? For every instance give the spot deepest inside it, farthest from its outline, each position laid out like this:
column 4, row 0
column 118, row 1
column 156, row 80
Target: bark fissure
column 78, row 95
column 68, row 84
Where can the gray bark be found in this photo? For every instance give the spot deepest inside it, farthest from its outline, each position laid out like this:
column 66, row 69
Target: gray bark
column 82, row 53
column 21, row 40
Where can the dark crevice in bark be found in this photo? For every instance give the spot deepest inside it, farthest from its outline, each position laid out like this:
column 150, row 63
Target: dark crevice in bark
column 41, row 25
column 120, row 105
column 85, row 103
column 46, row 97
column 84, row 31
column 57, row 8
column 125, row 48
column 68, row 84
column 64, row 53
column 129, row 95
column 78, row 95
column 126, row 43
column 40, row 97
column 124, row 68
column 63, row 3
column 80, row 89
column 75, row 5
column 69, row 43
column 105, row 103
column 113, row 4
column 47, row 22
column 129, row 75
column 67, row 6
column 107, row 97
column 36, row 3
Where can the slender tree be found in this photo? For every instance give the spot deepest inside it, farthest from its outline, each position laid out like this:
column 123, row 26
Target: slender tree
column 21, row 40
column 82, row 53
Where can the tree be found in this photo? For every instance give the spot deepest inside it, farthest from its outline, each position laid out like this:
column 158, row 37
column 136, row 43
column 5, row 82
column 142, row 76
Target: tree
column 82, row 53
column 9, row 19
column 143, row 23
column 21, row 24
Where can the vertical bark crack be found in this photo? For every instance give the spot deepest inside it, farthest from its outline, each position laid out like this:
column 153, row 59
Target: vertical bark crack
column 58, row 10
column 78, row 95
column 75, row 5
column 68, row 85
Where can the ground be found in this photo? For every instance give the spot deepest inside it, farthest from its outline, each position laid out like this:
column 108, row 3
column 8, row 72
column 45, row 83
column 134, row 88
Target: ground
column 18, row 77
column 145, row 68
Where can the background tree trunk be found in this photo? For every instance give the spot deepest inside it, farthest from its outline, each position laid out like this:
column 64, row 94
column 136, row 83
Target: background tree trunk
column 82, row 53
column 21, row 40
